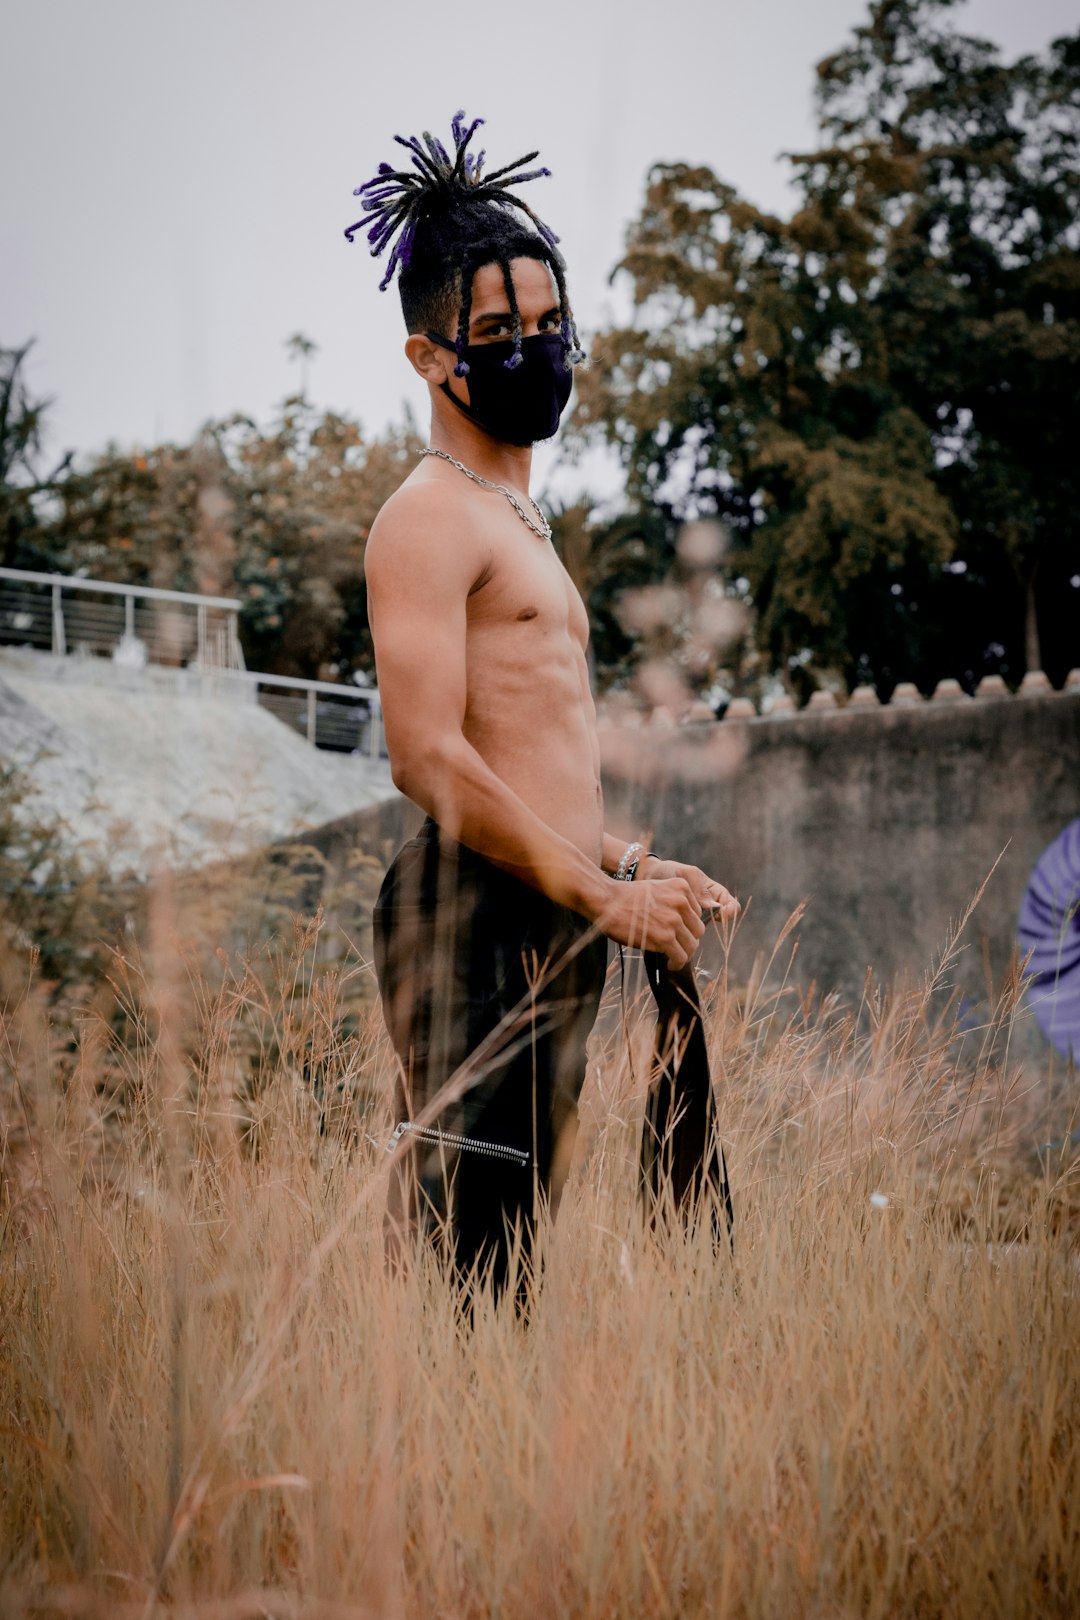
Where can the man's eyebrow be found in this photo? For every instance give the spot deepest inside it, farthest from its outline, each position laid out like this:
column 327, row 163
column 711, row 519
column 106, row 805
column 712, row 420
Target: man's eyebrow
column 504, row 315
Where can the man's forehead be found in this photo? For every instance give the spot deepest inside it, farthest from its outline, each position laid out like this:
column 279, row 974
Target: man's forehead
column 532, row 280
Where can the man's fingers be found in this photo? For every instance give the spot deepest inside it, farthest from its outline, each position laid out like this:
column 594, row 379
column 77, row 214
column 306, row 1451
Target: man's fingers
column 669, row 917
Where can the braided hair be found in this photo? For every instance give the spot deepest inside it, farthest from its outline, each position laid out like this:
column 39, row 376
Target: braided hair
column 449, row 219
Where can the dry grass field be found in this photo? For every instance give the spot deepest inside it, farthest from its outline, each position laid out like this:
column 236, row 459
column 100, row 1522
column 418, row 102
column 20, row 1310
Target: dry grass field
column 214, row 1402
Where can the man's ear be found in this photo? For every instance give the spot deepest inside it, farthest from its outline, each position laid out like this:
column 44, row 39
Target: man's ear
column 427, row 359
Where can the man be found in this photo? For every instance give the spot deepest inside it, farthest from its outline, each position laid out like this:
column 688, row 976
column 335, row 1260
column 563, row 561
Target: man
column 491, row 927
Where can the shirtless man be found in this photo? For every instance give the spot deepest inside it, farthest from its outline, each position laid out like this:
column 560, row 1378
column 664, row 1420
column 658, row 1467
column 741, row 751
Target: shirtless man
column 491, row 927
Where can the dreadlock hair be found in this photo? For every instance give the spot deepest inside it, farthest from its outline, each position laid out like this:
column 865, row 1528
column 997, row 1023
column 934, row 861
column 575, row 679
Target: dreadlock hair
column 449, row 220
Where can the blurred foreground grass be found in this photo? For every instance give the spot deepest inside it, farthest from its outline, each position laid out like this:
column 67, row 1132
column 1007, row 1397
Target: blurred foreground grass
column 215, row 1402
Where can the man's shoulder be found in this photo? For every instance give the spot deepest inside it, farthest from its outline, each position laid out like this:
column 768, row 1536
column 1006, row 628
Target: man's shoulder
column 424, row 516
column 419, row 505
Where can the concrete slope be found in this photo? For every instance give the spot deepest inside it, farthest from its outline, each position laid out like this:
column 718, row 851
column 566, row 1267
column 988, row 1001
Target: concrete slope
column 145, row 765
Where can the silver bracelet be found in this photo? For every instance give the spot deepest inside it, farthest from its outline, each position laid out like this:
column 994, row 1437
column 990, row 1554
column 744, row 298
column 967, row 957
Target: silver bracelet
column 628, row 853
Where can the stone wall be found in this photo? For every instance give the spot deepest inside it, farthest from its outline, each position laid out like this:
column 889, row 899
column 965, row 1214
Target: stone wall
column 885, row 819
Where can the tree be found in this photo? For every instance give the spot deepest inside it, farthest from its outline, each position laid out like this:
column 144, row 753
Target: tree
column 877, row 394
column 301, row 348
column 752, row 390
column 21, row 480
column 305, row 494
column 276, row 516
column 961, row 172
column 128, row 516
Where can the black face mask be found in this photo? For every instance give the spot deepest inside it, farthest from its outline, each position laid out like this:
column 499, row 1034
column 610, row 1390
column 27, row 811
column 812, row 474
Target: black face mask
column 521, row 405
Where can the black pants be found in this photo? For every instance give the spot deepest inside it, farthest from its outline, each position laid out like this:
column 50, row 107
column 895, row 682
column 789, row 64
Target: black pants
column 487, row 982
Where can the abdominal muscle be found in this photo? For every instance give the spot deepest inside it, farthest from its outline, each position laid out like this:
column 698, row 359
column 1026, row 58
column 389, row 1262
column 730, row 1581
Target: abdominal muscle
column 530, row 717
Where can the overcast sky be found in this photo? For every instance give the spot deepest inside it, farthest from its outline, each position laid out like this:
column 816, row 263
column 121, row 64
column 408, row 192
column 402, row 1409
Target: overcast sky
column 177, row 177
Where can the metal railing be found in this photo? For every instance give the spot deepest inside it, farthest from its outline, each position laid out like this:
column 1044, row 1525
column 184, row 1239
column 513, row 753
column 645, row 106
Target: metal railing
column 129, row 623
column 134, row 625
column 342, row 719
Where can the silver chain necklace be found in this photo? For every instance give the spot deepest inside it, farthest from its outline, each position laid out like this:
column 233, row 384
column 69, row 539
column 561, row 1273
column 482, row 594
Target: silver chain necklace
column 542, row 528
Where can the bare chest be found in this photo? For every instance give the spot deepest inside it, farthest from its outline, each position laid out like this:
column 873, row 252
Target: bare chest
column 526, row 592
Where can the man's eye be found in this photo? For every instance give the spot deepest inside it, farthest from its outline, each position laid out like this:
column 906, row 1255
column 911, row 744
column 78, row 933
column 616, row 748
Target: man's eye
column 505, row 329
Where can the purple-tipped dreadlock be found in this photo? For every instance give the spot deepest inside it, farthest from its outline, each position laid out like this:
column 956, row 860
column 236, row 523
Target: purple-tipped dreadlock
column 449, row 218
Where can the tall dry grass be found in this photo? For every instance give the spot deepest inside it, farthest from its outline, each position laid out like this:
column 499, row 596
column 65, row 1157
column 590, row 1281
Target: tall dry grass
column 214, row 1401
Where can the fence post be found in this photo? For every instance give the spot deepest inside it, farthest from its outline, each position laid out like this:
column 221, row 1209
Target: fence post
column 59, row 639
column 311, row 718
column 236, row 657
column 374, row 739
column 200, row 622
column 129, row 618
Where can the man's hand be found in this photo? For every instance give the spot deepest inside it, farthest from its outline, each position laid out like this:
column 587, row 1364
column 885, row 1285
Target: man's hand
column 663, row 915
column 718, row 903
column 666, row 908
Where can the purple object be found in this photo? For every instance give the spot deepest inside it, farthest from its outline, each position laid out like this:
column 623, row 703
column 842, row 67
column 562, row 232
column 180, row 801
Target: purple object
column 1050, row 931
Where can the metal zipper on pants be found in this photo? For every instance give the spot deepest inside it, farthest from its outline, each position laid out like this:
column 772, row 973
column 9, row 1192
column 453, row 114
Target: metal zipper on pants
column 431, row 1133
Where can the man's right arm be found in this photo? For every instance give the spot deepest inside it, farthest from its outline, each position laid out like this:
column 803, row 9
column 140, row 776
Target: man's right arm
column 417, row 596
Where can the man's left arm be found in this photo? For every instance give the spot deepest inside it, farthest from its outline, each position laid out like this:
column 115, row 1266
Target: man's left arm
column 712, row 896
